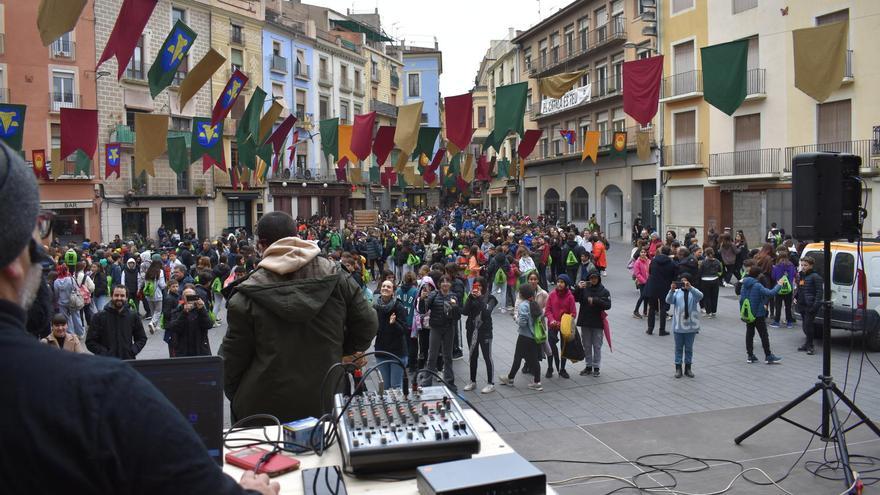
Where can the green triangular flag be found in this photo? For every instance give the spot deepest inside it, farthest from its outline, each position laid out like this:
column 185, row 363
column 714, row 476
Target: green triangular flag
column 206, row 140
column 510, row 108
column 12, row 125
column 83, row 163
column 249, row 124
column 426, row 141
column 171, row 55
column 178, row 155
column 452, row 170
column 503, row 168
column 265, row 154
column 374, row 175
column 329, row 132
column 492, row 142
column 401, row 182
column 725, row 67
column 247, row 154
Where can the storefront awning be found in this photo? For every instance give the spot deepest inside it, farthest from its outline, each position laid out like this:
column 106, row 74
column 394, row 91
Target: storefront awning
column 61, row 205
column 495, row 191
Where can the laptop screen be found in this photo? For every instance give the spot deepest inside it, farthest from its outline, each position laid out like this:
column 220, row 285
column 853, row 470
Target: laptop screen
column 195, row 386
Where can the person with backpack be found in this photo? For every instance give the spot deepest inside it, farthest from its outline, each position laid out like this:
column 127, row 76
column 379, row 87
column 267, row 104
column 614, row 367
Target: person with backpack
column 809, row 300
column 594, row 300
column 86, row 287
column 560, row 302
column 478, row 309
column 527, row 347
column 152, row 285
column 684, row 301
column 710, row 281
column 784, row 273
column 752, row 300
column 69, row 300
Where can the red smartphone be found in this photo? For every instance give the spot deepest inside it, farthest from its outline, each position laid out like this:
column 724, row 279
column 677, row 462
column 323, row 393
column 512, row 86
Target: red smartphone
column 249, row 457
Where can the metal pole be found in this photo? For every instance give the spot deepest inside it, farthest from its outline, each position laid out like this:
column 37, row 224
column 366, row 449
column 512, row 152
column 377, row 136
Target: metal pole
column 826, row 339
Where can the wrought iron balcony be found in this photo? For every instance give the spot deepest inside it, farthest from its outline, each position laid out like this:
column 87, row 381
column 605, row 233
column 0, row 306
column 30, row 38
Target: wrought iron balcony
column 683, row 155
column 278, row 64
column 303, row 71
column 62, row 50
column 867, row 149
column 755, row 82
column 57, row 101
column 609, row 33
column 682, row 86
column 744, row 164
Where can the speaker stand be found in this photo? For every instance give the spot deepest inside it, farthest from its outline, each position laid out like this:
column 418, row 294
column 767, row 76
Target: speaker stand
column 829, row 391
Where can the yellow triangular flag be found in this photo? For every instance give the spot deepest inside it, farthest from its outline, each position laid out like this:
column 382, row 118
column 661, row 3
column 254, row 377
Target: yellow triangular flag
column 56, row 17
column 150, row 141
column 268, row 120
column 355, row 175
column 467, row 170
column 820, row 59
column 200, row 74
column 643, row 145
column 557, row 85
column 591, row 145
column 344, row 142
column 406, row 133
column 451, row 148
column 522, row 168
column 401, row 162
column 57, row 164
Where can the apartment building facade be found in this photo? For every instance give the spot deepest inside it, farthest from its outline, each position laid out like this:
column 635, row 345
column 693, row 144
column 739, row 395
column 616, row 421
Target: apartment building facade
column 596, row 36
column 47, row 79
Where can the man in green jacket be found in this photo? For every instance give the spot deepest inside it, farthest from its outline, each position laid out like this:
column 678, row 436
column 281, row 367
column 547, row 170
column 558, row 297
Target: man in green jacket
column 290, row 320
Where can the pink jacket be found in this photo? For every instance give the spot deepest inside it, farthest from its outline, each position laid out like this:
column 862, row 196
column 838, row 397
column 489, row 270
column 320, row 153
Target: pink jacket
column 558, row 305
column 640, row 270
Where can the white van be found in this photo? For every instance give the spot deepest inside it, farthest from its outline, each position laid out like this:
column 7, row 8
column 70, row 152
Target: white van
column 855, row 292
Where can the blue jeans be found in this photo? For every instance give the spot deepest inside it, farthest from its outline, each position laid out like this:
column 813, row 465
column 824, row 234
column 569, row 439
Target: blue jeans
column 684, row 342
column 392, row 374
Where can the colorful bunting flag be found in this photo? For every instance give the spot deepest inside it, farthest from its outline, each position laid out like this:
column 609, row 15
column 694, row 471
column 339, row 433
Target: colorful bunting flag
column 459, row 114
column 618, row 144
column 641, row 88
column 280, row 135
column 426, row 141
column 329, row 132
column 174, row 49
column 82, row 164
column 38, row 158
column 527, row 145
column 362, row 135
column 267, row 121
column 643, row 145
column 483, row 169
column 151, row 133
column 345, row 132
column 127, row 30
column 510, row 108
column 374, row 175
column 492, row 141
column 725, row 68
column 207, row 141
column 112, row 155
column 12, row 124
column 503, row 168
column 178, row 155
column 55, row 18
column 198, row 76
column 406, row 134
column 356, row 176
column 401, row 178
column 79, row 131
column 568, row 135
column 389, row 177
column 591, row 145
column 55, row 163
column 467, row 170
column 820, row 59
column 384, row 143
column 248, row 131
column 228, row 97
column 556, row 86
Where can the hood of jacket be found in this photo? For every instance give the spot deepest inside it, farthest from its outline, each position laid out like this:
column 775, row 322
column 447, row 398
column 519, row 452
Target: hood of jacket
column 288, row 255
column 661, row 259
column 293, row 300
column 748, row 283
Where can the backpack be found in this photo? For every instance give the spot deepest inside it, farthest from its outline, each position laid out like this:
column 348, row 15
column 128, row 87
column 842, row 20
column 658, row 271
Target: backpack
column 149, row 288
column 413, row 260
column 786, row 286
column 84, row 292
column 540, row 331
column 76, row 301
column 571, row 259
column 745, row 311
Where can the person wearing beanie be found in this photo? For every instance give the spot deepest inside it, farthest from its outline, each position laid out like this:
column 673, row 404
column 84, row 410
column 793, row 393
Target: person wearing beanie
column 560, row 302
column 684, row 302
column 594, row 300
column 99, row 397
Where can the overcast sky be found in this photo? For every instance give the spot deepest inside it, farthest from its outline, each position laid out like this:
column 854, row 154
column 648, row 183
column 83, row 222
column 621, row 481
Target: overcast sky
column 463, row 28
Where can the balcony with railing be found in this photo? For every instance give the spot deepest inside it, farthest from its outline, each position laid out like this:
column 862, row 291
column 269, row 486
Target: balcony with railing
column 303, row 71
column 122, row 134
column 682, row 86
column 62, row 50
column 382, row 108
column 57, row 101
column 745, row 164
column 600, row 91
column 755, row 84
column 345, row 84
column 325, row 78
column 866, row 149
column 682, row 156
column 611, row 33
column 606, row 137
column 359, row 87
column 277, row 63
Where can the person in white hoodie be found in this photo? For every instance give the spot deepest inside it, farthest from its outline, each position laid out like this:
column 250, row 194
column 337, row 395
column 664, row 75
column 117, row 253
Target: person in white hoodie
column 290, row 320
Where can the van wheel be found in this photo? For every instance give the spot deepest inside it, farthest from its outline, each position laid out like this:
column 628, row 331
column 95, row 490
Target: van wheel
column 872, row 340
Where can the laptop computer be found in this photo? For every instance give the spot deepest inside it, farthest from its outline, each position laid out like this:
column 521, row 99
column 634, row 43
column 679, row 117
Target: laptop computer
column 195, row 386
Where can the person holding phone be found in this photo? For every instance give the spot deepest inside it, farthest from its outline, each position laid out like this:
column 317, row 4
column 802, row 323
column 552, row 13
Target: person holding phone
column 189, row 326
column 445, row 311
column 684, row 302
column 478, row 308
column 392, row 334
column 594, row 299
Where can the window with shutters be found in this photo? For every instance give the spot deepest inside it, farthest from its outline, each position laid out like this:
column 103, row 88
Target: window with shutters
column 685, row 78
column 324, row 107
column 300, row 105
column 602, row 127
column 236, row 58
column 834, row 122
column 685, row 135
column 747, row 132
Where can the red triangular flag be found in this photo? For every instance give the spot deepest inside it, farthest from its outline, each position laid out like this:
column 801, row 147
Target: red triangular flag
column 641, row 88
column 459, row 119
column 340, row 173
column 527, row 145
column 342, row 163
column 130, row 23
column 277, row 138
column 430, row 173
column 207, row 162
column 389, row 178
column 79, row 131
column 362, row 135
column 482, row 168
column 383, row 143
column 462, row 185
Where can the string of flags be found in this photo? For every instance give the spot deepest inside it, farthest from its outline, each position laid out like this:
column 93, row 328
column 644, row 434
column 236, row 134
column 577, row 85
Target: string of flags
column 819, row 63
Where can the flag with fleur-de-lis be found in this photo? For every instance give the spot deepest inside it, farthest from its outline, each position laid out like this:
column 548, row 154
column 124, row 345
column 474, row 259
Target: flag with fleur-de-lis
column 173, row 52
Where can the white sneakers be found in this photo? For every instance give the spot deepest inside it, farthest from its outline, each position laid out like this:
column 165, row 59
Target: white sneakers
column 536, row 386
column 505, row 381
column 151, row 327
column 488, row 389
column 470, row 386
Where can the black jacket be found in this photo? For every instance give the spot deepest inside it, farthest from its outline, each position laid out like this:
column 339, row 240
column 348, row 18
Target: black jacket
column 479, row 314
column 391, row 338
column 444, row 314
column 101, row 288
column 189, row 332
column 809, row 292
column 709, row 268
column 92, row 447
column 497, row 261
column 131, row 280
column 589, row 315
column 661, row 273
column 116, row 333
column 687, row 266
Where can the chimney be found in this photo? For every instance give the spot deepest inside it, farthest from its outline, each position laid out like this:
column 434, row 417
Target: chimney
column 436, row 45
column 511, row 33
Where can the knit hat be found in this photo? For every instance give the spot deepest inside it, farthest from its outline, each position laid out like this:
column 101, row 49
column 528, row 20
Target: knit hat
column 19, row 204
column 156, row 257
column 565, row 278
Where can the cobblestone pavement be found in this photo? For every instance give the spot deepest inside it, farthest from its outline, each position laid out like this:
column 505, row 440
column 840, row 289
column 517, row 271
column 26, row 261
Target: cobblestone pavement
column 637, row 382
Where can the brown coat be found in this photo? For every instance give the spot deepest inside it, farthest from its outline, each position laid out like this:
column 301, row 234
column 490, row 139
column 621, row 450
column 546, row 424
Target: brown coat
column 71, row 343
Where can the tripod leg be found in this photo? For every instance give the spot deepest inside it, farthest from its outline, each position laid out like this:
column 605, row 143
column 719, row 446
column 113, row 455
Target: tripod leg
column 855, row 409
column 779, row 413
column 842, row 452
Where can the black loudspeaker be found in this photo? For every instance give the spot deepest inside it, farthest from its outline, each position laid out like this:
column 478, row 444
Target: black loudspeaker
column 826, row 196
